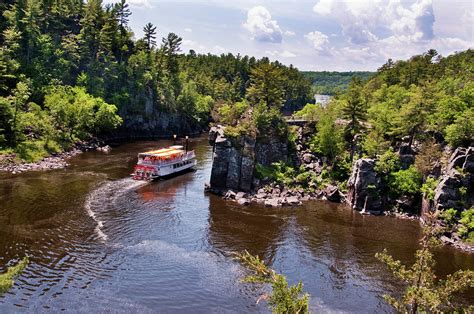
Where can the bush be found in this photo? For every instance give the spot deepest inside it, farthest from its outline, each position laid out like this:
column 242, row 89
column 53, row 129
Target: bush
column 428, row 188
column 466, row 228
column 405, row 182
column 267, row 119
column 449, row 216
column 311, row 112
column 388, row 162
column 230, row 114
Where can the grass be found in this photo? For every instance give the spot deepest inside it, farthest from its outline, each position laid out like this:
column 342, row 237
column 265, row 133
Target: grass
column 7, row 278
column 33, row 150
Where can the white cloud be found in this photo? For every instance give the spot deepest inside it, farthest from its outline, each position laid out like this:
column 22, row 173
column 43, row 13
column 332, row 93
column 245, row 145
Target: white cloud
column 283, row 54
column 187, row 29
column 318, row 39
column 323, row 7
column 139, row 3
column 133, row 3
column 260, row 24
column 362, row 20
column 287, row 54
column 290, row 33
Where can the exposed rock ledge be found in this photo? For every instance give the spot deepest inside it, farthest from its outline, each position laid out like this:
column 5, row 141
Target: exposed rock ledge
column 233, row 171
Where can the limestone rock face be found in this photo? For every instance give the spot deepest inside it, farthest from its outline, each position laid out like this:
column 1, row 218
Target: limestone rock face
column 155, row 124
column 459, row 174
column 363, row 186
column 234, row 161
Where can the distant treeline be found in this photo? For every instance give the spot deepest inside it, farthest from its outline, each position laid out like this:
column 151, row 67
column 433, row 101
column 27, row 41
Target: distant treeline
column 330, row 83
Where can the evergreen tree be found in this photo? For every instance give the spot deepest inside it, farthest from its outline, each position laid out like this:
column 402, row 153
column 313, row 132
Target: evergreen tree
column 355, row 112
column 266, row 85
column 424, row 293
column 150, row 36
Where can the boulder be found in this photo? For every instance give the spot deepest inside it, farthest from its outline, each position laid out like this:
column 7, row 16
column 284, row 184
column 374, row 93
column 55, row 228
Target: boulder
column 240, row 195
column 292, row 201
column 332, row 193
column 273, row 202
column 307, row 158
column 243, row 201
column 230, row 195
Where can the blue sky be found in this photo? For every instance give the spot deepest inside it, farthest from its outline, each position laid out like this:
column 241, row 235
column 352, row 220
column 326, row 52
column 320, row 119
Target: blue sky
column 313, row 34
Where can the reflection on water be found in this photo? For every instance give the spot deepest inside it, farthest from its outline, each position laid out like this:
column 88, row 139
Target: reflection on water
column 98, row 240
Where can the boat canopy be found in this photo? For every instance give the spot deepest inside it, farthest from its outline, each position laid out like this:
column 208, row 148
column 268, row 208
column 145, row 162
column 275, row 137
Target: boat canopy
column 163, row 152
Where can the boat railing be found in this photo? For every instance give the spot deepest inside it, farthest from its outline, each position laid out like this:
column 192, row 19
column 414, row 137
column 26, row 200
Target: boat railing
column 167, row 162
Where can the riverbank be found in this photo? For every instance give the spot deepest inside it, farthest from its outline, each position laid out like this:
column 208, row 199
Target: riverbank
column 9, row 162
column 277, row 196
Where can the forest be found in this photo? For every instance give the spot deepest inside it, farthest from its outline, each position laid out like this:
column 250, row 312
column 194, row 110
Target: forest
column 330, row 83
column 421, row 108
column 71, row 70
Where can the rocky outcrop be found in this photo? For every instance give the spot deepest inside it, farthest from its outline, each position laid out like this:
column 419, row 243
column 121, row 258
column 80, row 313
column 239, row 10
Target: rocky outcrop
column 234, row 160
column 455, row 188
column 363, row 187
column 156, row 125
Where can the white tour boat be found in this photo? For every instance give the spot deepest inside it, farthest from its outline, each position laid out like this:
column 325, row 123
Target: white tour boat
column 163, row 162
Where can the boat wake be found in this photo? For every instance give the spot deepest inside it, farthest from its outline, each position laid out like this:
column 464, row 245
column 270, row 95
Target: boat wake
column 106, row 195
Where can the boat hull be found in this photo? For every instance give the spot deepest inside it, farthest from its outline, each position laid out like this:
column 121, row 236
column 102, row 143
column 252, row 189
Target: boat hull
column 152, row 172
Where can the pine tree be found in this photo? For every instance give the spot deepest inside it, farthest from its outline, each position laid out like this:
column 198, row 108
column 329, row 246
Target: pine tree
column 266, row 85
column 150, row 36
column 122, row 12
column 355, row 112
column 424, row 293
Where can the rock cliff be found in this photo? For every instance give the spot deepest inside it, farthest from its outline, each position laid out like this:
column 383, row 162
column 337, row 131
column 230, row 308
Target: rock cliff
column 234, row 160
column 156, row 125
column 363, row 187
column 455, row 187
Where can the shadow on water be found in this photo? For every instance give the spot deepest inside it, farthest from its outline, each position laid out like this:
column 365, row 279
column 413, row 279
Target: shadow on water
column 93, row 233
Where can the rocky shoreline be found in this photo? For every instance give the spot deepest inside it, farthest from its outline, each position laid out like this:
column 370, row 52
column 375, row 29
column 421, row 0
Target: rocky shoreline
column 55, row 161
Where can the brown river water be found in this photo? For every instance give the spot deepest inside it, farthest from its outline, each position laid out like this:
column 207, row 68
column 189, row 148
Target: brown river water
column 99, row 241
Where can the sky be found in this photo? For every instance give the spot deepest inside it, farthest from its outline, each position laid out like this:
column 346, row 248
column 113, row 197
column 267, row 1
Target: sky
column 332, row 35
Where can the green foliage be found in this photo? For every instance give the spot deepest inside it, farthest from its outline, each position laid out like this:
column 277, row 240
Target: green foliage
column 354, row 112
column 428, row 188
column 78, row 115
column 88, row 44
column 310, row 112
column 7, row 279
column 405, row 182
column 230, row 114
column 278, row 172
column 448, row 216
column 283, row 298
column 461, row 132
column 424, row 293
column 387, row 163
column 466, row 228
column 267, row 119
column 328, row 141
column 266, row 85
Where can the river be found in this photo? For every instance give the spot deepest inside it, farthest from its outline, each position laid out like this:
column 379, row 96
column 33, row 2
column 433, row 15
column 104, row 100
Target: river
column 99, row 241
